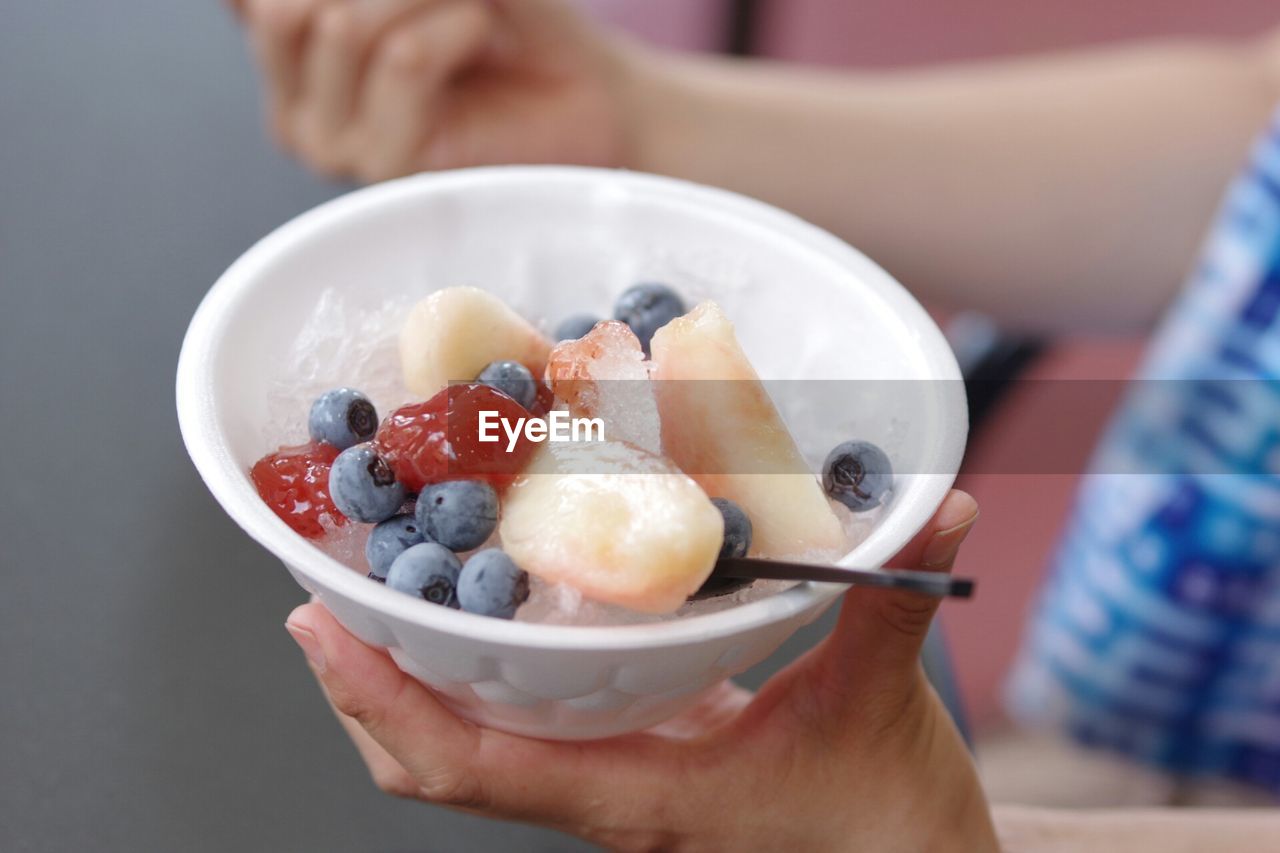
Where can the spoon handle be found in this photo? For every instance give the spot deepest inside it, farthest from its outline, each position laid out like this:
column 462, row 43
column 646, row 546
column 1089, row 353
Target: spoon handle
column 937, row 584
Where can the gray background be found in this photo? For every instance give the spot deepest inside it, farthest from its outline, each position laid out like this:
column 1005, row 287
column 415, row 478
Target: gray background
column 149, row 696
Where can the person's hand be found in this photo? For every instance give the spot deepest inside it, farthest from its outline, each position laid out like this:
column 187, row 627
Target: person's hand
column 848, row 748
column 374, row 89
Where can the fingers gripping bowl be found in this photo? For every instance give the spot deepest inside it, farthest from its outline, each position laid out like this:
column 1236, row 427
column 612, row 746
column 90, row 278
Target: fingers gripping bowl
column 549, row 241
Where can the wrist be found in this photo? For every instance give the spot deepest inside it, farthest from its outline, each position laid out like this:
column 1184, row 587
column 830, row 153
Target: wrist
column 899, row 777
column 954, row 814
column 968, row 826
column 660, row 110
column 939, row 803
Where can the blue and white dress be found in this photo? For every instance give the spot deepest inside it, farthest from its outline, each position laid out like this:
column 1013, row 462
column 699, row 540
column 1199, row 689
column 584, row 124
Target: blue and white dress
column 1158, row 633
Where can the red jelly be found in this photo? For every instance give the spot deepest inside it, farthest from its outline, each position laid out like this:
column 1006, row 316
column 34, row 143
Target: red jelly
column 545, row 400
column 439, row 440
column 294, row 482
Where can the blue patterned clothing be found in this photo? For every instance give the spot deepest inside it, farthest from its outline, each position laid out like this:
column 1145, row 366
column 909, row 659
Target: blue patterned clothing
column 1158, row 634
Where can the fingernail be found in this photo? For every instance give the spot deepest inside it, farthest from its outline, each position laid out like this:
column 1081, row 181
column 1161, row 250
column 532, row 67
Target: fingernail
column 941, row 551
column 310, row 646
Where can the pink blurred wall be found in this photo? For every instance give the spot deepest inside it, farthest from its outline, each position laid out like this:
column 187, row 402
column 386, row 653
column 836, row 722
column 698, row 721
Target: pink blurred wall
column 909, row 32
column 886, row 33
column 678, row 24
column 1021, row 514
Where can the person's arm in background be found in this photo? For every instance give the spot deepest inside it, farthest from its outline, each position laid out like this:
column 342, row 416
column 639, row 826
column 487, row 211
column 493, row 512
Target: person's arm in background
column 1061, row 192
column 1038, row 830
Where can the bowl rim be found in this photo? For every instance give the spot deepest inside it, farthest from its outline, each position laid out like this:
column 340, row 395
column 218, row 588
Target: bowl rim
column 205, row 442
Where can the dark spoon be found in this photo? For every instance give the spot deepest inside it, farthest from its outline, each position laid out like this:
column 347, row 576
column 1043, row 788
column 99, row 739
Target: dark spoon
column 734, row 573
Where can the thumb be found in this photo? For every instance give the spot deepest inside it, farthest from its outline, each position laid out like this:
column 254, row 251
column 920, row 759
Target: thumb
column 437, row 748
column 878, row 638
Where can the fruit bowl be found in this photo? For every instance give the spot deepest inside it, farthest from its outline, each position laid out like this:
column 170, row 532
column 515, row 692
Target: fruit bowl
column 810, row 311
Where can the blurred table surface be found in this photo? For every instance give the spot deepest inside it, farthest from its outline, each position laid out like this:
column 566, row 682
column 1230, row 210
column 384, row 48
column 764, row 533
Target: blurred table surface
column 150, row 697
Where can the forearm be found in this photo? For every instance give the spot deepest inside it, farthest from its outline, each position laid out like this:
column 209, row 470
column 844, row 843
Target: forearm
column 1054, row 192
column 1034, row 830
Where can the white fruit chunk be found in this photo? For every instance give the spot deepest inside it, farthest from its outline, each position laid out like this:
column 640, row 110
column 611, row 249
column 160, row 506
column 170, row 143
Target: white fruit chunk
column 455, row 333
column 720, row 432
column 604, row 375
column 619, row 524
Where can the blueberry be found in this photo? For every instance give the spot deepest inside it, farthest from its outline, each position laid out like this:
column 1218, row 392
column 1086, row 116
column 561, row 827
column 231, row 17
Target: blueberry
column 575, row 326
column 511, row 378
column 342, row 417
column 459, row 514
column 737, row 529
column 388, row 540
column 362, row 485
column 492, row 585
column 857, row 473
column 646, row 308
column 427, row 571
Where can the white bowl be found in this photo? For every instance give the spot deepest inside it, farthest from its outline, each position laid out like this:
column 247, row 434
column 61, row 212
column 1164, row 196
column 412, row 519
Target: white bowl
column 552, row 240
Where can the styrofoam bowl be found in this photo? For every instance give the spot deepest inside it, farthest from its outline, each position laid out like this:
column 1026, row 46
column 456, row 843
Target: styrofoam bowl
column 553, row 240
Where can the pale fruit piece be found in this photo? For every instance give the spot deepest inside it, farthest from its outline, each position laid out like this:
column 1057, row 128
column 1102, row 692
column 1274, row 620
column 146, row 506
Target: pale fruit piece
column 604, row 375
column 617, row 523
column 454, row 333
column 720, row 431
